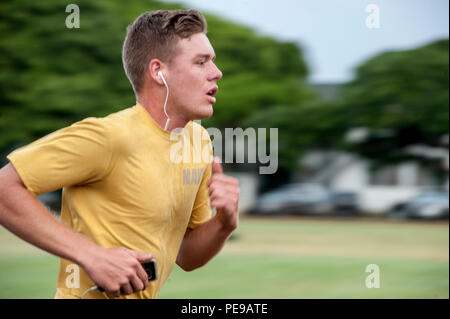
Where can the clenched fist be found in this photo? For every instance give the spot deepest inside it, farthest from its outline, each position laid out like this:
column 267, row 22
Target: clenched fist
column 224, row 195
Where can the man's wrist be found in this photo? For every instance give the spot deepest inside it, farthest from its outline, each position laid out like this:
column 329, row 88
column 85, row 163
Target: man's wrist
column 85, row 253
column 225, row 226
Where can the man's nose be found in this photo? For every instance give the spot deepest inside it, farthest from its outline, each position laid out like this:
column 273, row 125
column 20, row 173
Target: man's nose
column 216, row 74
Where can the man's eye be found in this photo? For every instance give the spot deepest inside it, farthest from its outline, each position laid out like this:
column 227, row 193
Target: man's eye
column 201, row 62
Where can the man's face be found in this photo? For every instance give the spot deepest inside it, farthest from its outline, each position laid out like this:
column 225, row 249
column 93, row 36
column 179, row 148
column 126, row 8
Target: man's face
column 192, row 78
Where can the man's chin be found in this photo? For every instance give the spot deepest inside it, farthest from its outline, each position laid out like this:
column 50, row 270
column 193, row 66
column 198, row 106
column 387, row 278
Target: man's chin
column 207, row 112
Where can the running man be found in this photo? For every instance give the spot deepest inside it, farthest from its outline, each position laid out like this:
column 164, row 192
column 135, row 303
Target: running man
column 126, row 199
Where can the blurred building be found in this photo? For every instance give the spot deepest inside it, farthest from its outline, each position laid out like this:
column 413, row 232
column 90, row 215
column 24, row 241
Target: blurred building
column 378, row 190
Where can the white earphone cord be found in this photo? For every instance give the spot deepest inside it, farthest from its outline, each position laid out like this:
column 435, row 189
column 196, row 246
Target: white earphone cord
column 165, row 102
column 88, row 290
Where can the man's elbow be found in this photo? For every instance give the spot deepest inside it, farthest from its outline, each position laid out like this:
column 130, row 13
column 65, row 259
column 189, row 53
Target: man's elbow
column 186, row 266
column 10, row 182
column 187, row 269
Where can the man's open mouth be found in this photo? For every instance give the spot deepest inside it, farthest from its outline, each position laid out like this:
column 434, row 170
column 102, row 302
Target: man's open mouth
column 213, row 91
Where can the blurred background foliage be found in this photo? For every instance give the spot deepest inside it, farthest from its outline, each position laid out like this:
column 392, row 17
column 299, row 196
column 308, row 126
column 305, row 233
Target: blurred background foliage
column 52, row 76
column 402, row 98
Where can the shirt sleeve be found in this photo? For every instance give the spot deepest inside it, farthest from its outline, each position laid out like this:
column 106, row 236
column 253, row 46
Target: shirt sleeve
column 75, row 155
column 201, row 211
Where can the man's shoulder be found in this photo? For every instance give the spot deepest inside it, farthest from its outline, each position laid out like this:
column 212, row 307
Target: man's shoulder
column 123, row 114
column 110, row 123
column 113, row 129
column 119, row 118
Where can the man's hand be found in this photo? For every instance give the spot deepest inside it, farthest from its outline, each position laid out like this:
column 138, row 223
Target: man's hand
column 118, row 270
column 224, row 195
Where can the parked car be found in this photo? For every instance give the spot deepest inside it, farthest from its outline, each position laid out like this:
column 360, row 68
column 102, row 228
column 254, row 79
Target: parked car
column 295, row 199
column 430, row 205
column 346, row 203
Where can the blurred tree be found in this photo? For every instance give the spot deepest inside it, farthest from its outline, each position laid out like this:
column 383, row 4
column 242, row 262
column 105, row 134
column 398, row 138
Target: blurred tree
column 314, row 124
column 52, row 76
column 399, row 98
column 402, row 99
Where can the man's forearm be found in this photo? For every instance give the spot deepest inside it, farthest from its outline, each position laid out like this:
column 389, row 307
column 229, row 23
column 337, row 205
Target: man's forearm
column 202, row 244
column 22, row 214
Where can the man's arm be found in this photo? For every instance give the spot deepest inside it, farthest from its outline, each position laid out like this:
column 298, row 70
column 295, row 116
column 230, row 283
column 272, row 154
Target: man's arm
column 22, row 214
column 204, row 242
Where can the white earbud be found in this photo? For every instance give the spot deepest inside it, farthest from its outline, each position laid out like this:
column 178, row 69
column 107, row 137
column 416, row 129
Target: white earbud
column 162, row 77
column 165, row 102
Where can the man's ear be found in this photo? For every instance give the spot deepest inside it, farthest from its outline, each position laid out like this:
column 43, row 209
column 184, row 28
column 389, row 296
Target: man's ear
column 154, row 67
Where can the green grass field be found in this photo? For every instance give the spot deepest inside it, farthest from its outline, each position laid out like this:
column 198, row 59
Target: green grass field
column 281, row 258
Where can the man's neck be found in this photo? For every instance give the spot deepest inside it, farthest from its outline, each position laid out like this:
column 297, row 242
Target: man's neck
column 155, row 109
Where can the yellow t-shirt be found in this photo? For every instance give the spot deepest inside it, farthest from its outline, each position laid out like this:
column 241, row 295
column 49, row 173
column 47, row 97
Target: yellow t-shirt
column 125, row 183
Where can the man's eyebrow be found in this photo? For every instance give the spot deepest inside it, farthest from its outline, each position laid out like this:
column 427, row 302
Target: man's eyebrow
column 205, row 55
